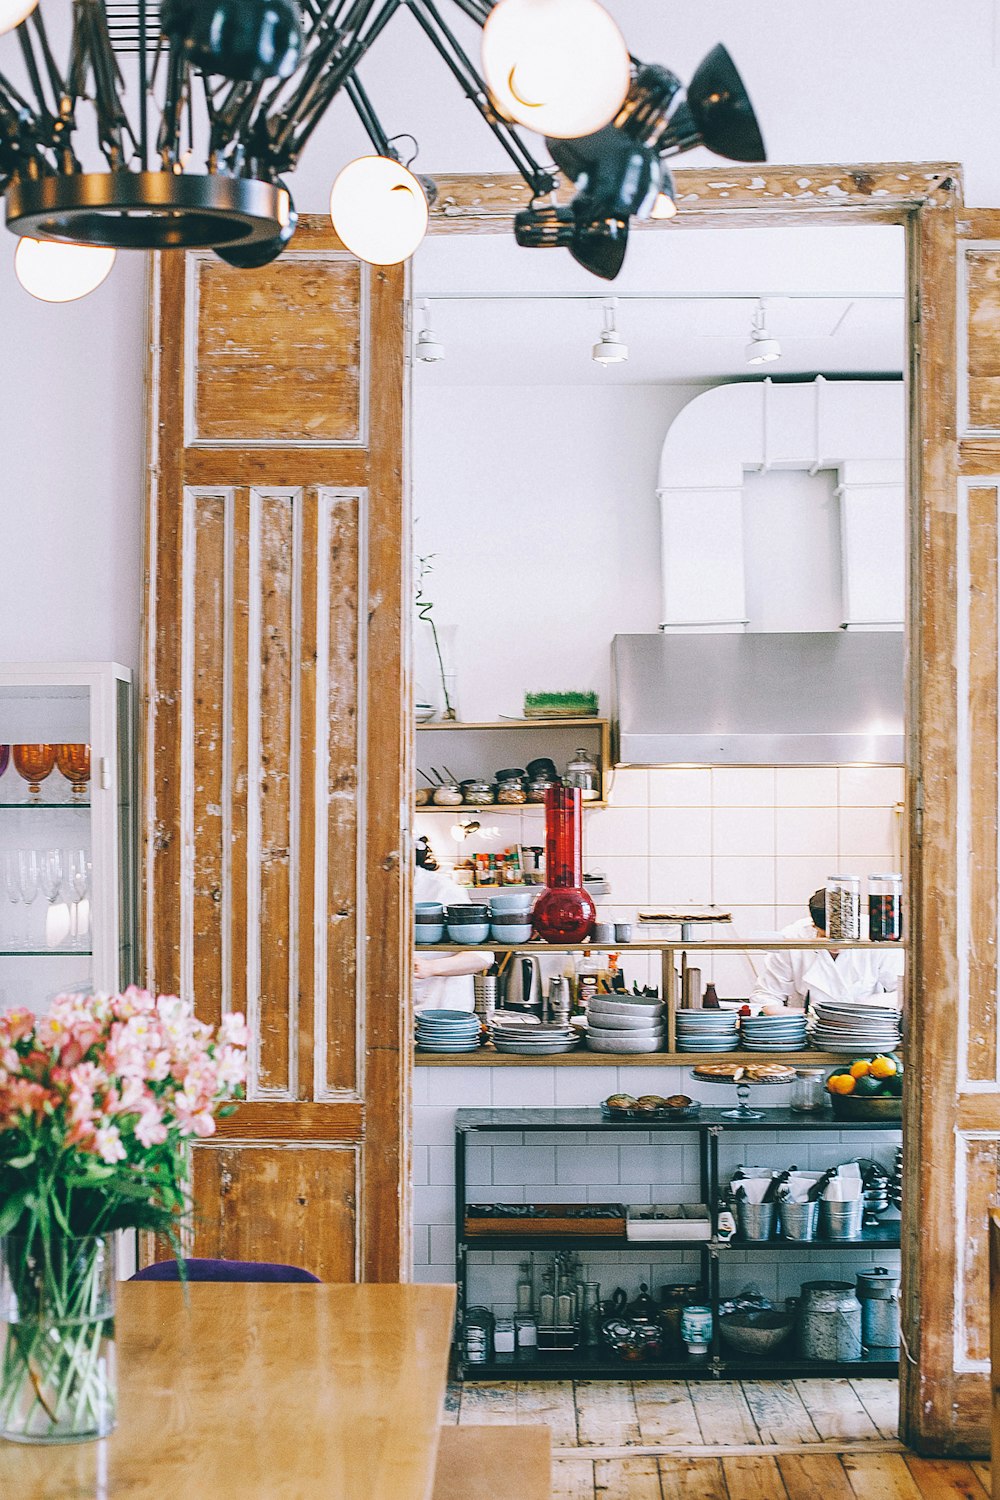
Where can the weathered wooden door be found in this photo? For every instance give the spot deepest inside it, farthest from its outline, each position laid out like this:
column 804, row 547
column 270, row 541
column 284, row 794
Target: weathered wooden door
column 276, row 752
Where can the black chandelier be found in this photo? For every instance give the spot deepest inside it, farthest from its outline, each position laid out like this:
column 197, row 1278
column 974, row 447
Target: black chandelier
column 196, row 111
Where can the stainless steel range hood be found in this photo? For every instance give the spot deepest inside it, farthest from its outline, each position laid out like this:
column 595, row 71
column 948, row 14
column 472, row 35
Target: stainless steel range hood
column 789, row 699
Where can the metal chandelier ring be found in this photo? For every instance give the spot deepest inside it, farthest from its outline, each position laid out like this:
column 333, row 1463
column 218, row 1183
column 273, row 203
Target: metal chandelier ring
column 148, row 210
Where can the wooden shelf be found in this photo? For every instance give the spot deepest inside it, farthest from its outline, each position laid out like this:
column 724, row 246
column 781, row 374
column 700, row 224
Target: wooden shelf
column 487, row 1058
column 495, row 808
column 557, row 723
column 671, row 945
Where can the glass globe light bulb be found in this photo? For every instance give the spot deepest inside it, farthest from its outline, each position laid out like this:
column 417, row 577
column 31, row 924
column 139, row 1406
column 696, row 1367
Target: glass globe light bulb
column 379, row 210
column 560, row 67
column 13, row 12
column 55, row 272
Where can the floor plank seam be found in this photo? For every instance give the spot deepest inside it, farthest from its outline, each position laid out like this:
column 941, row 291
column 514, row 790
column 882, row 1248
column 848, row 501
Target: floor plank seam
column 717, row 1450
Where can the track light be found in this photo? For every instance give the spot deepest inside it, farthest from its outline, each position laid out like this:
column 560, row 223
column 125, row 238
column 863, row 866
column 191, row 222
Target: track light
column 609, row 349
column 560, row 67
column 379, row 209
column 429, row 349
column 55, row 272
column 762, row 348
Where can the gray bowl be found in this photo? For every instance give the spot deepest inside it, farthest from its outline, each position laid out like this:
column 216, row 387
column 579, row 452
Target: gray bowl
column 755, row 1332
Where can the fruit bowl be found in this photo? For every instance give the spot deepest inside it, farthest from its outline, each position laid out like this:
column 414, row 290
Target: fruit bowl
column 755, row 1332
column 867, row 1107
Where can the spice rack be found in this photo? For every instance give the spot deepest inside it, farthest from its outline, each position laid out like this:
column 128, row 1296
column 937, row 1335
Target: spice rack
column 478, row 748
column 708, row 1127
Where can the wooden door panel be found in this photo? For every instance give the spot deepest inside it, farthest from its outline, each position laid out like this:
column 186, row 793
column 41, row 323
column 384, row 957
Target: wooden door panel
column 288, row 1203
column 277, row 758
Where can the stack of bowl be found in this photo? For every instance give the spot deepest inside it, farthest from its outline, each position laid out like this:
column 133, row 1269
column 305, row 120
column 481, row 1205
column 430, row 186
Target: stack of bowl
column 619, row 1024
column 786, row 1033
column 429, row 920
column 469, row 923
column 510, row 913
column 447, row 1031
column 707, row 1031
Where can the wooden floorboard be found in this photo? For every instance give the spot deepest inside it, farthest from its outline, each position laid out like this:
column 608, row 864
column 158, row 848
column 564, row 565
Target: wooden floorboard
column 945, row 1479
column 814, row 1476
column 665, row 1413
column 692, row 1479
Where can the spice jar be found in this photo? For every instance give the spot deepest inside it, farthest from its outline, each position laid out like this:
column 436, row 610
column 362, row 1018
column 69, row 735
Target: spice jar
column 538, row 786
column 885, row 908
column 582, row 772
column 510, row 791
column 448, row 794
column 808, row 1091
column 843, row 907
column 478, row 793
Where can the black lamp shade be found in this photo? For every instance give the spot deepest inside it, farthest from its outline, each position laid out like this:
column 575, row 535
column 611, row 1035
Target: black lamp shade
column 646, row 109
column 545, row 226
column 599, row 246
column 252, row 257
column 249, row 39
column 717, row 113
column 615, row 175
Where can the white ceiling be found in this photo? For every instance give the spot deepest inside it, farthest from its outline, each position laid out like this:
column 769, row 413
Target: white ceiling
column 509, row 316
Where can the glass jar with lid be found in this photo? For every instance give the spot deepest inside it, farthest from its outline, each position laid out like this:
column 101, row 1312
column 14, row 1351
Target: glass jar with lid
column 582, row 771
column 448, row 794
column 478, row 792
column 843, row 907
column 510, row 788
column 808, row 1091
column 885, row 907
column 538, row 786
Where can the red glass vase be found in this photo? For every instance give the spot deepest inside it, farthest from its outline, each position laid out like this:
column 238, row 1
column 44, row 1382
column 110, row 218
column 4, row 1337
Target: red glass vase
column 564, row 913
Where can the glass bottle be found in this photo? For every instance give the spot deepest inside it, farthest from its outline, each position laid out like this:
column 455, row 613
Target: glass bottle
column 885, row 908
column 582, row 772
column 564, row 913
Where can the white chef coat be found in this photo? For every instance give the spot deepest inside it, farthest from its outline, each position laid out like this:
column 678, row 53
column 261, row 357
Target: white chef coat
column 443, row 992
column 855, row 975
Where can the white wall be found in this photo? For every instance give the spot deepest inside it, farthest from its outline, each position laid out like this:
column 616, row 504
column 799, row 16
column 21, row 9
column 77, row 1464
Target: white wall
column 540, row 505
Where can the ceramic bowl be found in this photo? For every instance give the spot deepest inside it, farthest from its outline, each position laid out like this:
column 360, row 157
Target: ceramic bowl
column 875, row 1107
column 608, row 1021
column 514, row 898
column 429, row 932
column 609, row 1006
column 468, row 932
column 508, row 932
column 428, row 908
column 757, row 1331
column 623, row 1041
column 473, row 915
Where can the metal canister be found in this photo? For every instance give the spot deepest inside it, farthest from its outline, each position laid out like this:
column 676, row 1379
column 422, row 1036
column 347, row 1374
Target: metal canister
column 830, row 1321
column 559, row 999
column 878, row 1293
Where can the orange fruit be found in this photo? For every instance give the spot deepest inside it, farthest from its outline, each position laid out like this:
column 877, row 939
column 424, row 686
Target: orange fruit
column 884, row 1067
column 841, row 1083
column 861, row 1068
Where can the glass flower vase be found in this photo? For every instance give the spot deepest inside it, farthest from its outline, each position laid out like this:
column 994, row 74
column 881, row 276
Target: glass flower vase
column 57, row 1306
column 564, row 912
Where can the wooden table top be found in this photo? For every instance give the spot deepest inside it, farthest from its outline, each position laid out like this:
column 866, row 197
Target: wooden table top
column 279, row 1392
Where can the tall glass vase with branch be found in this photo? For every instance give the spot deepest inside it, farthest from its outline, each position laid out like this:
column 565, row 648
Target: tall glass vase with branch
column 425, row 615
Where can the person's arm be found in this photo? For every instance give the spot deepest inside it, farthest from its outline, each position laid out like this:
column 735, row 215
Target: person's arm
column 890, row 969
column 777, row 982
column 449, row 965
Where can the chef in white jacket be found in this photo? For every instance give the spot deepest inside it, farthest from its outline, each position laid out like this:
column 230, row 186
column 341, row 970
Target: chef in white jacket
column 797, row 976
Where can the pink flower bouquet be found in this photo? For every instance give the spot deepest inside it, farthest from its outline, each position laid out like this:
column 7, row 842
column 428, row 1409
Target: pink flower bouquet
column 99, row 1100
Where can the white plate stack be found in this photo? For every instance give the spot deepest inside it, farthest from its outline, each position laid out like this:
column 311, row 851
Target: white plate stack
column 785, row 1033
column 447, row 1031
column 526, row 1040
column 708, row 1030
column 866, row 1027
column 625, row 1024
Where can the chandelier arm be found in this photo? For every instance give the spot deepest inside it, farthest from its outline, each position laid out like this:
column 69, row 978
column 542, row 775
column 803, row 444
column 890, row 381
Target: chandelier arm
column 45, row 115
column 476, row 10
column 329, row 63
column 108, row 84
column 232, row 119
column 355, row 91
column 538, row 178
column 56, row 81
column 168, row 137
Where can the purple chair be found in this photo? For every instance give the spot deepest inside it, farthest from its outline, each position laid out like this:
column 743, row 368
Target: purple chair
column 223, row 1270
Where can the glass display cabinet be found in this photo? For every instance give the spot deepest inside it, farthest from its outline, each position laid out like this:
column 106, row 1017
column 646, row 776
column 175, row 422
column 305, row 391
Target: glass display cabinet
column 67, row 831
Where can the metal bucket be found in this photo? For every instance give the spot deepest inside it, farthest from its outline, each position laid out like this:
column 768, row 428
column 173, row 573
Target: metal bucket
column 756, row 1220
column 878, row 1293
column 841, row 1221
column 798, row 1220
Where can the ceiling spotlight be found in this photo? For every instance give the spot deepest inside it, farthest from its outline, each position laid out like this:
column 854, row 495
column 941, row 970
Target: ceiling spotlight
column 762, row 348
column 560, row 67
column 379, row 210
column 55, row 272
column 429, row 349
column 609, row 349
column 714, row 111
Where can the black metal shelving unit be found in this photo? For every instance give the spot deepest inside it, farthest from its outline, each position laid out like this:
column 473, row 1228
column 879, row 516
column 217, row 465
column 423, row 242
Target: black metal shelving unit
column 598, row 1363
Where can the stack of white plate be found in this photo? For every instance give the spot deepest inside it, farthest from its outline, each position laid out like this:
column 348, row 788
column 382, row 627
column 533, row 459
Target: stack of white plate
column 447, row 1031
column 527, row 1040
column 868, row 1027
column 785, row 1033
column 707, row 1030
column 623, row 1025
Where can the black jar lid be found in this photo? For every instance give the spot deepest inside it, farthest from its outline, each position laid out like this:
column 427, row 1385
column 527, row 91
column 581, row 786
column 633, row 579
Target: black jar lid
column 516, row 774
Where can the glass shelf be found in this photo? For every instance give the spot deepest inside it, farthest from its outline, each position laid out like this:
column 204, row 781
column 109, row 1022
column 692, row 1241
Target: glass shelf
column 46, row 952
column 41, row 806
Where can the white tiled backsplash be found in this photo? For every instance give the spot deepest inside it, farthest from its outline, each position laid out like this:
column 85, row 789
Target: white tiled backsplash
column 602, row 1166
column 756, row 841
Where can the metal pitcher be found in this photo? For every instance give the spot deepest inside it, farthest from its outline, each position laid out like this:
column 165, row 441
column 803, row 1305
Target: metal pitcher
column 878, row 1293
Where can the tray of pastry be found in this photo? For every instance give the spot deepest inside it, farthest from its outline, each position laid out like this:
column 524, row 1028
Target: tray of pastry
column 650, row 1107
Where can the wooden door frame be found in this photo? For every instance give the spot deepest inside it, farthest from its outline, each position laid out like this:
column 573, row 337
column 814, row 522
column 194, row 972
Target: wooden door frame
column 940, row 1410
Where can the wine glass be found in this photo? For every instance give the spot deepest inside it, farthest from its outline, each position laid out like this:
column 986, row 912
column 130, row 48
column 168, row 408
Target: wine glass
column 28, row 878
column 78, row 870
column 74, row 763
column 12, row 888
column 4, row 758
column 53, row 873
column 33, row 763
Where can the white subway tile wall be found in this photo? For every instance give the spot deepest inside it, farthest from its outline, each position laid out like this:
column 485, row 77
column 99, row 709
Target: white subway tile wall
column 559, row 1166
column 755, row 840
